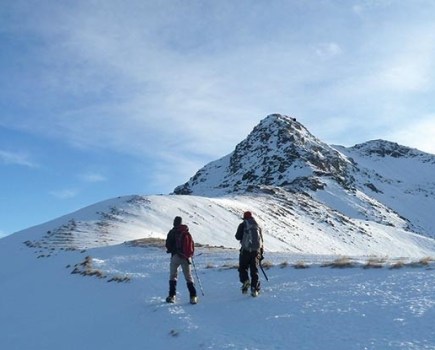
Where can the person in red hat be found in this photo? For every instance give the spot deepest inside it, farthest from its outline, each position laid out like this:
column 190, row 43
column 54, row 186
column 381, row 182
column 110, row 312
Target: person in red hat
column 250, row 235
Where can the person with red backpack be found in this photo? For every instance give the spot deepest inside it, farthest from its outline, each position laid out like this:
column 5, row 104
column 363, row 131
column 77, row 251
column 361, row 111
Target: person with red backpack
column 250, row 235
column 180, row 245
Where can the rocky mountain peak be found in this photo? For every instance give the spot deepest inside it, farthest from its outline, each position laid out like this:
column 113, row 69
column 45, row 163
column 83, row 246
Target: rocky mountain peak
column 383, row 148
column 279, row 151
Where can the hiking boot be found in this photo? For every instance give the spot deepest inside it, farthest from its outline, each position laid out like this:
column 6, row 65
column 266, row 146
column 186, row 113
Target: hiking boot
column 254, row 292
column 245, row 287
column 170, row 299
column 194, row 300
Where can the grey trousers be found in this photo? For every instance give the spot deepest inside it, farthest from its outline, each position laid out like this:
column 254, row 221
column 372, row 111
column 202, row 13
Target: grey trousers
column 176, row 262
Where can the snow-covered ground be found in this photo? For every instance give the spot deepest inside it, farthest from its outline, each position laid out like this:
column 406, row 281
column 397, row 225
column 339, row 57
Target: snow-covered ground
column 44, row 306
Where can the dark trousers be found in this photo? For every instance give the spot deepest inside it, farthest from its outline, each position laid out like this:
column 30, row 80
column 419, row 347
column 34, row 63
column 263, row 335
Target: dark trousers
column 249, row 260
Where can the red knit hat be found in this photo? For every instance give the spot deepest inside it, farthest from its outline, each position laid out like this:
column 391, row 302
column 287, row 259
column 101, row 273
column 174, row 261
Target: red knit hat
column 247, row 215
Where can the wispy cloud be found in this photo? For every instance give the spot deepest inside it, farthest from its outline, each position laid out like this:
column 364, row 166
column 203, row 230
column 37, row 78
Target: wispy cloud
column 16, row 158
column 327, row 50
column 65, row 193
column 92, row 177
column 145, row 83
column 418, row 133
column 409, row 66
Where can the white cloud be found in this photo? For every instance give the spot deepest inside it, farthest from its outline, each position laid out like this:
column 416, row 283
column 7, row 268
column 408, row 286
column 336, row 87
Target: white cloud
column 411, row 68
column 136, row 79
column 358, row 9
column 16, row 158
column 419, row 132
column 92, row 177
column 366, row 7
column 65, row 193
column 327, row 50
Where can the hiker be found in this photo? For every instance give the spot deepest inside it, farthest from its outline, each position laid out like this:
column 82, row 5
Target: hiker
column 180, row 244
column 251, row 252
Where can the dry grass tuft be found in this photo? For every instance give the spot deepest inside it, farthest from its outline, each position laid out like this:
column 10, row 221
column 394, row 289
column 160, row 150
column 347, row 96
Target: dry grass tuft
column 147, row 242
column 85, row 268
column 266, row 265
column 397, row 265
column 426, row 261
column 284, row 264
column 210, row 266
column 119, row 279
column 374, row 263
column 229, row 266
column 341, row 263
column 300, row 265
column 423, row 262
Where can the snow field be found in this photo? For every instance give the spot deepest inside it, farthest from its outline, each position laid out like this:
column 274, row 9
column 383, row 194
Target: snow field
column 312, row 308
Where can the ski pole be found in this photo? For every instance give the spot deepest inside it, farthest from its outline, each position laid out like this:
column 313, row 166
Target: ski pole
column 197, row 277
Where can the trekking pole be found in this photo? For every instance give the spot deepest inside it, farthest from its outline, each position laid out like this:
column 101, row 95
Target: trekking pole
column 197, row 277
column 264, row 273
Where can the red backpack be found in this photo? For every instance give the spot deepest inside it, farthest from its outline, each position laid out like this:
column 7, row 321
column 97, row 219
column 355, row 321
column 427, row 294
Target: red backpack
column 184, row 242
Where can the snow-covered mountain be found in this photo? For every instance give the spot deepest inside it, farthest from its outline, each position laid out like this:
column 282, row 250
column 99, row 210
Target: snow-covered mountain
column 97, row 278
column 378, row 181
column 279, row 152
column 401, row 178
column 375, row 198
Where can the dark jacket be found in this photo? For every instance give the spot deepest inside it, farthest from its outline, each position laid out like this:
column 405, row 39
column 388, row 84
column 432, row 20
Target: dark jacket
column 241, row 228
column 240, row 231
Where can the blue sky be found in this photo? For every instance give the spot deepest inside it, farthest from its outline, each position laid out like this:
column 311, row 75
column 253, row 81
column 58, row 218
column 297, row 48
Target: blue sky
column 100, row 99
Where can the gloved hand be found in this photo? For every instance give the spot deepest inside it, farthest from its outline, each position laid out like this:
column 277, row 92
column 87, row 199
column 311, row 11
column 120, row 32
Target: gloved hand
column 260, row 254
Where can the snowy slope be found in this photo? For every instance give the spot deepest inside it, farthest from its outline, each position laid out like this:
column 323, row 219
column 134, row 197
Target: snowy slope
column 291, row 222
column 400, row 177
column 46, row 306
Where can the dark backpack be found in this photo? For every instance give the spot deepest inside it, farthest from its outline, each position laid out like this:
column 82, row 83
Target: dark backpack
column 252, row 239
column 184, row 242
